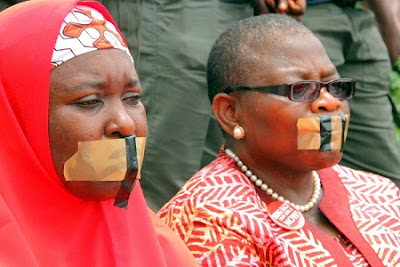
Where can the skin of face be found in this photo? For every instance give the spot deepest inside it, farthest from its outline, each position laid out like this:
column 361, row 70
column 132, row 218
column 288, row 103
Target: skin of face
column 94, row 96
column 269, row 121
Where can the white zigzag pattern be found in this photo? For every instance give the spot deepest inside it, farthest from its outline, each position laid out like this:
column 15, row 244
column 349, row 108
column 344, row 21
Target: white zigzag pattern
column 311, row 255
column 377, row 223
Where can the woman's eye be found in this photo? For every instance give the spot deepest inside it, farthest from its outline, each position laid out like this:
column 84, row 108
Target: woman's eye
column 88, row 103
column 132, row 99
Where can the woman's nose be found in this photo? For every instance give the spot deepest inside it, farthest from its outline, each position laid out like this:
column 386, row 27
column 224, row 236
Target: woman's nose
column 119, row 123
column 325, row 102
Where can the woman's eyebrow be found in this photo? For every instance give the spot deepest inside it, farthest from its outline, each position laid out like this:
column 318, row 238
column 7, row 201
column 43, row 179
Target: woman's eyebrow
column 90, row 84
column 331, row 72
column 133, row 83
column 101, row 84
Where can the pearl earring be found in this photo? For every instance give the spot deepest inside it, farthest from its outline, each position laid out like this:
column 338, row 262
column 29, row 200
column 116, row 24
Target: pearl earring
column 238, row 132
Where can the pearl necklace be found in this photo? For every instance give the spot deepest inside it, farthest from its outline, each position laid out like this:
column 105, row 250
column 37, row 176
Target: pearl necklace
column 258, row 182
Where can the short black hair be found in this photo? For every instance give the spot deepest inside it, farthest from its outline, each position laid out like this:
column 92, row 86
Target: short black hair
column 234, row 54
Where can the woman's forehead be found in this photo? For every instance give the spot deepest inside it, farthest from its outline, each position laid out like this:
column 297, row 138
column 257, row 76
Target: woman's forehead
column 98, row 69
column 293, row 61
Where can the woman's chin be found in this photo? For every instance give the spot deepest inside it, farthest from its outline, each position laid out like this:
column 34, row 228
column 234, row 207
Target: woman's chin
column 330, row 158
column 317, row 160
column 95, row 191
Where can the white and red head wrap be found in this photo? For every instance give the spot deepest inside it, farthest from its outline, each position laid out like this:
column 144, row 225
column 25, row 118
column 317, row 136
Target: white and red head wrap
column 85, row 30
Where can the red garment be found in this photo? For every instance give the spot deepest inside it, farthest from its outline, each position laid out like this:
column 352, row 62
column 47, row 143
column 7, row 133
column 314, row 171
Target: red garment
column 222, row 219
column 41, row 223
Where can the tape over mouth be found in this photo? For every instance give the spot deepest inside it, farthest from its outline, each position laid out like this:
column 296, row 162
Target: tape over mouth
column 323, row 133
column 105, row 160
column 116, row 160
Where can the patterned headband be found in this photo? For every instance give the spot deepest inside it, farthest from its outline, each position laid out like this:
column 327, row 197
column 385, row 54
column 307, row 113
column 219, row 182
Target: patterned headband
column 85, row 30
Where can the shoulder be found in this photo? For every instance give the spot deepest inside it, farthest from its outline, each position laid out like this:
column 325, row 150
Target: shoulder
column 220, row 195
column 361, row 191
column 218, row 184
column 219, row 198
column 363, row 180
column 374, row 204
column 370, row 192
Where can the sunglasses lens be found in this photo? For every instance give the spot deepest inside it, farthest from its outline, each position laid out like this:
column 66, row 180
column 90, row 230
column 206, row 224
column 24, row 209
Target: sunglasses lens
column 305, row 91
column 342, row 89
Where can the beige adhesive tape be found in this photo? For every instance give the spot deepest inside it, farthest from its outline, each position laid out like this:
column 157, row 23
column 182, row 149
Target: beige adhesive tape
column 308, row 137
column 346, row 127
column 102, row 160
column 336, row 133
column 140, row 148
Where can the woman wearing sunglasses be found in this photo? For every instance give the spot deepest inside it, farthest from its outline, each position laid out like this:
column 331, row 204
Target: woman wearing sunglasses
column 275, row 195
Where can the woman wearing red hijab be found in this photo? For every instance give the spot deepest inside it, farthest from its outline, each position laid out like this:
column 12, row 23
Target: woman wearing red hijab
column 67, row 82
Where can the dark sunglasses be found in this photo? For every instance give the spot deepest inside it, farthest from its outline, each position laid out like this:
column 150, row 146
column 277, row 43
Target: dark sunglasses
column 305, row 91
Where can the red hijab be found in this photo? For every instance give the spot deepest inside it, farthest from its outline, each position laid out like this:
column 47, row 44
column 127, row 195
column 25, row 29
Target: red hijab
column 41, row 223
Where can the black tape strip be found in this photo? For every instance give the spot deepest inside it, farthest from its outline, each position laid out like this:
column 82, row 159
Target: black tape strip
column 325, row 132
column 130, row 180
column 343, row 117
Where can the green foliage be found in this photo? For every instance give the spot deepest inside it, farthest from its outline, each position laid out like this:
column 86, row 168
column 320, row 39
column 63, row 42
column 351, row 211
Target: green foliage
column 395, row 87
column 359, row 5
column 398, row 135
column 395, row 90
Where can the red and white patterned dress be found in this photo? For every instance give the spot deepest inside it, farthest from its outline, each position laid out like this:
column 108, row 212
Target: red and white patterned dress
column 224, row 222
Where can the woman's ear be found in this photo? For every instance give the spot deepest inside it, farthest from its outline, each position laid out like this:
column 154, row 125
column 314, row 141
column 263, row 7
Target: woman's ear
column 225, row 109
